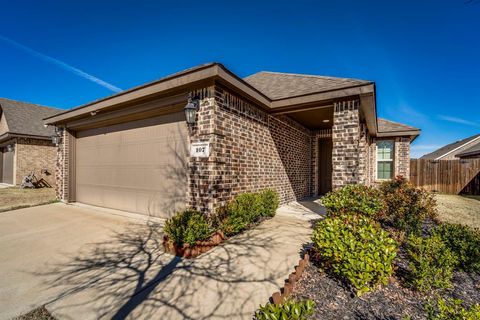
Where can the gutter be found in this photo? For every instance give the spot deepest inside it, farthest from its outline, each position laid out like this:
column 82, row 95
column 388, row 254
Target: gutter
column 12, row 135
column 214, row 72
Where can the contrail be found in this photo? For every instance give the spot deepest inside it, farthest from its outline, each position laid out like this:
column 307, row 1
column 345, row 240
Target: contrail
column 62, row 65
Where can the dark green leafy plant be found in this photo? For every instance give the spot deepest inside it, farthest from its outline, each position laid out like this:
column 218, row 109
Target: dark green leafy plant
column 464, row 242
column 406, row 207
column 451, row 309
column 246, row 209
column 188, row 226
column 270, row 202
column 431, row 263
column 357, row 199
column 356, row 249
column 289, row 310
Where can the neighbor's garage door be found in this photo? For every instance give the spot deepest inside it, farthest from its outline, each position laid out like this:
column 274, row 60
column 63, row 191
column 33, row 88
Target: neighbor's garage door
column 7, row 166
column 139, row 166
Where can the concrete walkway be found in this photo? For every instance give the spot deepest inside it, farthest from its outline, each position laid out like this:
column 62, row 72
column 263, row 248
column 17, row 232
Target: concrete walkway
column 124, row 272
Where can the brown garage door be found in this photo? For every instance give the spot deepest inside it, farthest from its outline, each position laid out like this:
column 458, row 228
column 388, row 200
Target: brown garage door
column 139, row 166
column 7, row 167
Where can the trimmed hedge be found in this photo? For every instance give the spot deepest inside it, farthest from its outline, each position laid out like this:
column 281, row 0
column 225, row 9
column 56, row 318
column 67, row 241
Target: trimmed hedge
column 356, row 249
column 464, row 242
column 431, row 263
column 406, row 207
column 355, row 198
column 289, row 310
column 188, row 226
column 451, row 309
column 246, row 209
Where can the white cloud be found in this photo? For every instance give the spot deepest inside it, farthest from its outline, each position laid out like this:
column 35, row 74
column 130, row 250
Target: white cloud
column 459, row 120
column 62, row 65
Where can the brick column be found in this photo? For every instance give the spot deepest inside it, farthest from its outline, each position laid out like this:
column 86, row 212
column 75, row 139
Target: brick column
column 200, row 194
column 346, row 144
column 402, row 157
column 61, row 169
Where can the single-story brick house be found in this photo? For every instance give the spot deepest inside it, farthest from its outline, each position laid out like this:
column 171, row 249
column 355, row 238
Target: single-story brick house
column 25, row 143
column 299, row 134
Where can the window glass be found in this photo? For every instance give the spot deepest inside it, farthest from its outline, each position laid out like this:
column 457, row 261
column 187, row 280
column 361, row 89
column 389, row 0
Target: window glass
column 385, row 152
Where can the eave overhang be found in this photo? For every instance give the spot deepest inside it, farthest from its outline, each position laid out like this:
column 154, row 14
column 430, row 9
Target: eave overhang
column 181, row 83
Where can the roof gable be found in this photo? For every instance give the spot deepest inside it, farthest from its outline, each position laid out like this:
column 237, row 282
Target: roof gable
column 474, row 150
column 439, row 153
column 26, row 118
column 385, row 125
column 277, row 85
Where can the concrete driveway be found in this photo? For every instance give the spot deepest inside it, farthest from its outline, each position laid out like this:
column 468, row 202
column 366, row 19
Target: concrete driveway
column 38, row 242
column 84, row 264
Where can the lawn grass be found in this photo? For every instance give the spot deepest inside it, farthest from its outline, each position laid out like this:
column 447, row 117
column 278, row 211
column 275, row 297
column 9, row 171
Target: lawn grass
column 16, row 198
column 459, row 209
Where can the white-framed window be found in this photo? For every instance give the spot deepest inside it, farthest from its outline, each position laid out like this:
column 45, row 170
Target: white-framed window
column 385, row 163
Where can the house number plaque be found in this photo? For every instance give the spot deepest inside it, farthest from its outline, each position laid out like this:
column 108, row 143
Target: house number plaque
column 200, row 149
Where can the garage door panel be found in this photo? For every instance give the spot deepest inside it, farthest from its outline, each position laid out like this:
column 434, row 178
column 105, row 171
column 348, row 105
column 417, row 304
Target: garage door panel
column 138, row 167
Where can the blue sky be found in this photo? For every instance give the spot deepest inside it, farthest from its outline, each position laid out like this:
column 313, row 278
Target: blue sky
column 423, row 55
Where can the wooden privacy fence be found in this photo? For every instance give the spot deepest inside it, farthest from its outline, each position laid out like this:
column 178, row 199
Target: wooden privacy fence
column 446, row 176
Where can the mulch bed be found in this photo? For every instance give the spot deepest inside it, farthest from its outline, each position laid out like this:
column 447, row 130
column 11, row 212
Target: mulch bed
column 334, row 300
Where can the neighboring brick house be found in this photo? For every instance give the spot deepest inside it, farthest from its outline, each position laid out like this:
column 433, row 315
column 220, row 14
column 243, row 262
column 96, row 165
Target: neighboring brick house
column 301, row 135
column 467, row 148
column 25, row 143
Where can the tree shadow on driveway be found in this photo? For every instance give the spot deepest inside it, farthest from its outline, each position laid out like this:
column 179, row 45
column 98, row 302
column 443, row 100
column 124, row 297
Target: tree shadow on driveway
column 130, row 276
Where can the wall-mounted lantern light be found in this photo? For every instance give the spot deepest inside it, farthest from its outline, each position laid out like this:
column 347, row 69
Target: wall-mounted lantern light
column 10, row 148
column 191, row 110
column 56, row 137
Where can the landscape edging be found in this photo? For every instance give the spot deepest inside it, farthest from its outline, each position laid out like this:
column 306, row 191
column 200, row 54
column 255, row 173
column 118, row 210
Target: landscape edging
column 280, row 296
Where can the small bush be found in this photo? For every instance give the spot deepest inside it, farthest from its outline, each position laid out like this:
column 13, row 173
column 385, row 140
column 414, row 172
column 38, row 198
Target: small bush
column 407, row 207
column 431, row 263
column 289, row 310
column 270, row 202
column 356, row 198
column 464, row 242
column 451, row 309
column 188, row 226
column 245, row 209
column 355, row 249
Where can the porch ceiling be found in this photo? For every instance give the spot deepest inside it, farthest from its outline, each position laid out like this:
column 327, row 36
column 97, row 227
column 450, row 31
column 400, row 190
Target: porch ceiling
column 313, row 119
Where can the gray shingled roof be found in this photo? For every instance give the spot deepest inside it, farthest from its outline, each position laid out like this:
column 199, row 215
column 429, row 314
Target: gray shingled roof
column 474, row 150
column 277, row 85
column 449, row 147
column 385, row 125
column 27, row 118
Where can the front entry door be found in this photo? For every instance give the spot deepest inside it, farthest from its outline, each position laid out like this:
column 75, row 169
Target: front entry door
column 324, row 165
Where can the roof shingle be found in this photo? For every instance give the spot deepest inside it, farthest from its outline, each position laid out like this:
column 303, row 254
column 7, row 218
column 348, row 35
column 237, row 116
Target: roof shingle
column 474, row 150
column 448, row 148
column 385, row 125
column 27, row 118
column 277, row 85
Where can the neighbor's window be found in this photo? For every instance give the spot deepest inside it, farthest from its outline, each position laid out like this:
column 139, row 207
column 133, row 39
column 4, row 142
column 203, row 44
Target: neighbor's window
column 385, row 159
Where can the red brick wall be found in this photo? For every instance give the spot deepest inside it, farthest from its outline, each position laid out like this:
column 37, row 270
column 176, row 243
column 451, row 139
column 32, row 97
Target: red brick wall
column 251, row 151
column 33, row 155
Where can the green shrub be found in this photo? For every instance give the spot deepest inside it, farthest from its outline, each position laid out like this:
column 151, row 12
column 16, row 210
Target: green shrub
column 355, row 249
column 353, row 198
column 406, row 207
column 289, row 310
column 464, row 242
column 431, row 263
column 188, row 226
column 245, row 209
column 451, row 309
column 270, row 202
